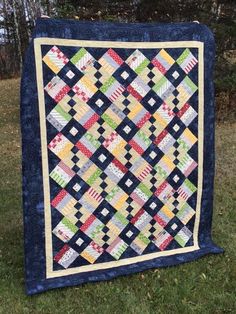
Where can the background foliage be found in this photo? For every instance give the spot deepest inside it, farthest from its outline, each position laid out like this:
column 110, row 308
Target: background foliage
column 17, row 19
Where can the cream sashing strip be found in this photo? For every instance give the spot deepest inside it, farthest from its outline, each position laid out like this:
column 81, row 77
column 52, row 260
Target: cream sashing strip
column 38, row 42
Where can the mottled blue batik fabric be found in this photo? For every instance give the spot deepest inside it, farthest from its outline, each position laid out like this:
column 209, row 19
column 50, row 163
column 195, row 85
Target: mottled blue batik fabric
column 118, row 149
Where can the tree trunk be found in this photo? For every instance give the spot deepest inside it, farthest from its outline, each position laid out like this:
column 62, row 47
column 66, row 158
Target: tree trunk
column 18, row 38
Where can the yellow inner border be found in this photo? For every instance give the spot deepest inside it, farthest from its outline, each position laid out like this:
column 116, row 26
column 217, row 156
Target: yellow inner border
column 50, row 273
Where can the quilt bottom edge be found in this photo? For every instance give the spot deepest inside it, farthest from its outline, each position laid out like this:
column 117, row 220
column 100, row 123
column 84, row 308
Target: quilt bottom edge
column 38, row 286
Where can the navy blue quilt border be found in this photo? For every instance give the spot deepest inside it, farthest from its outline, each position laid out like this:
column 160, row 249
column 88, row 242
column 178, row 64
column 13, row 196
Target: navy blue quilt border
column 33, row 202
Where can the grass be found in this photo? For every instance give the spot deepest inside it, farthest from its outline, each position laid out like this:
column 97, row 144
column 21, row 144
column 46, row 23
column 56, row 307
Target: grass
column 207, row 285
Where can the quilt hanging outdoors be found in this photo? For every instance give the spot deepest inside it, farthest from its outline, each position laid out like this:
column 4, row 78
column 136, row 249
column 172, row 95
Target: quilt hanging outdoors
column 118, row 149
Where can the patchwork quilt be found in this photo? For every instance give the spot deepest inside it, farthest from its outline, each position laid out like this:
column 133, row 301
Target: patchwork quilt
column 118, row 149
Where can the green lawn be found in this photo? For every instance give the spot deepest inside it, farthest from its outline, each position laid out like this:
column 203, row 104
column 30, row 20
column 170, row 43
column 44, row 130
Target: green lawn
column 207, row 285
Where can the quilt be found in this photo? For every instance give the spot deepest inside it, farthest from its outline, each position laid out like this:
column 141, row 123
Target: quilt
column 118, row 149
